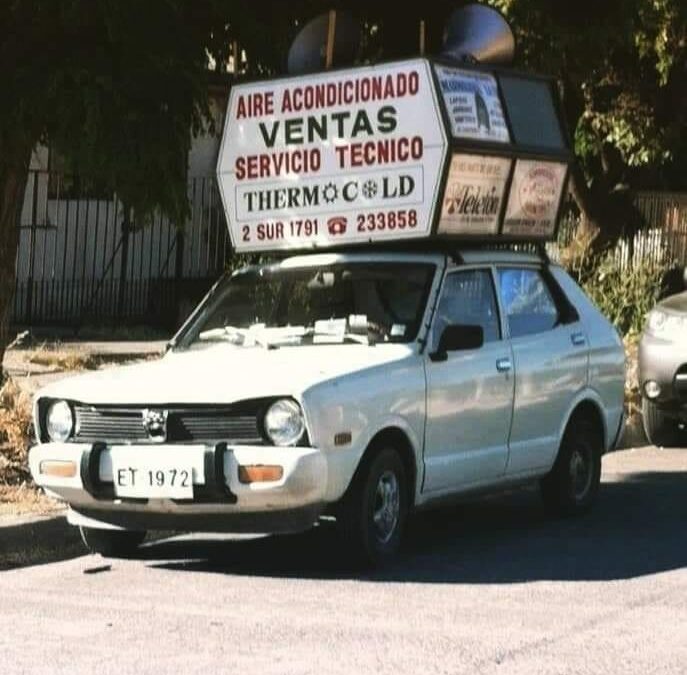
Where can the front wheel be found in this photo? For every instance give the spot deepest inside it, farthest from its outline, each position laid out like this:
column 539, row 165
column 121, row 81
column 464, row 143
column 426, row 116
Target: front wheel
column 373, row 512
column 572, row 485
column 111, row 543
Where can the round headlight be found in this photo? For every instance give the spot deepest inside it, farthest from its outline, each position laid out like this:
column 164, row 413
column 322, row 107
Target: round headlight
column 284, row 423
column 59, row 421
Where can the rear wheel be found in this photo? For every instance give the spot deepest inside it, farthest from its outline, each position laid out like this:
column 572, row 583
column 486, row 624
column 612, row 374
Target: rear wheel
column 572, row 485
column 373, row 512
column 111, row 543
column 659, row 428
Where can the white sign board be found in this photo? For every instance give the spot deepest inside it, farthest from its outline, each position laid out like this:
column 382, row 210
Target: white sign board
column 332, row 158
column 474, row 195
column 534, row 199
column 473, row 104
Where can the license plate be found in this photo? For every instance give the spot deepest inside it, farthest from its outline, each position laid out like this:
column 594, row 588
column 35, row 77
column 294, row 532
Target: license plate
column 152, row 477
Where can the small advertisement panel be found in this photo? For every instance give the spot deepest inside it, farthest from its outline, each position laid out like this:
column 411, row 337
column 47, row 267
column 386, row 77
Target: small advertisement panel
column 473, row 104
column 333, row 158
column 474, row 195
column 534, row 199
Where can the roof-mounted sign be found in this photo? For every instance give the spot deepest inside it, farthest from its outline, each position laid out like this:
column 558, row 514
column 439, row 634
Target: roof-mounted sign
column 443, row 148
column 336, row 158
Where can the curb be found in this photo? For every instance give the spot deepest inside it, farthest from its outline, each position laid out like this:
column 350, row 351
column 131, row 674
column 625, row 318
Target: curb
column 32, row 540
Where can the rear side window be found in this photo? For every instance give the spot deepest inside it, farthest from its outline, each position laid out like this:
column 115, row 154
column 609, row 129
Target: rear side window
column 527, row 301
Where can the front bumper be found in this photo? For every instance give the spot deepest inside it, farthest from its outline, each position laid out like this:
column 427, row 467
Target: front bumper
column 221, row 502
column 665, row 362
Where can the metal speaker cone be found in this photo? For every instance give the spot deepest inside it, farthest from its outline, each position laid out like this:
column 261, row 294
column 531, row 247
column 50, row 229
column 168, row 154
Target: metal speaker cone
column 479, row 33
column 308, row 53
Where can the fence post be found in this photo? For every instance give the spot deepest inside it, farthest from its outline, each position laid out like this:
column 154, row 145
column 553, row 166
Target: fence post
column 124, row 262
column 32, row 249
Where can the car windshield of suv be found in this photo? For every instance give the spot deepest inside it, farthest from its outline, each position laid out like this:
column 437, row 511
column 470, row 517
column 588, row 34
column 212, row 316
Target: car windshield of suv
column 274, row 306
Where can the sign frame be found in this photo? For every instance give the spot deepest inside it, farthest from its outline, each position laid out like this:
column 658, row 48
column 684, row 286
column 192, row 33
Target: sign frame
column 510, row 150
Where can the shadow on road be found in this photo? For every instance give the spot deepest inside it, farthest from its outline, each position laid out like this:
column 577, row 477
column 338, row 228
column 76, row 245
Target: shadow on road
column 636, row 528
column 38, row 541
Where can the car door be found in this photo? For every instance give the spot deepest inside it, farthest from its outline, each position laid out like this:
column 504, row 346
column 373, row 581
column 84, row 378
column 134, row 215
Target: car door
column 550, row 356
column 470, row 394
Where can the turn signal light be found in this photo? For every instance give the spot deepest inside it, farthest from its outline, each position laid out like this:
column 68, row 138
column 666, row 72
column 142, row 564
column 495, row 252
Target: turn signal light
column 58, row 468
column 260, row 473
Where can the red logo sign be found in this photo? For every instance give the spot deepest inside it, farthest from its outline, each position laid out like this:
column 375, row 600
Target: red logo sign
column 337, row 225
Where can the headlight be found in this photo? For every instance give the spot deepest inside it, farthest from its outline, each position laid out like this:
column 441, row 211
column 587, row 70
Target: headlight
column 662, row 323
column 284, row 423
column 59, row 421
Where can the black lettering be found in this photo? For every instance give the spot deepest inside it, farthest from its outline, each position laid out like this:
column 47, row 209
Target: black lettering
column 386, row 119
column 293, row 131
column 269, row 138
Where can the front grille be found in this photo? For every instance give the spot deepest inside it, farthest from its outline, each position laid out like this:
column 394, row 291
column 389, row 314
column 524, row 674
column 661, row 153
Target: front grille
column 125, row 425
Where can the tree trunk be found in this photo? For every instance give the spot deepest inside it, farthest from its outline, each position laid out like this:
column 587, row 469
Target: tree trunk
column 12, row 186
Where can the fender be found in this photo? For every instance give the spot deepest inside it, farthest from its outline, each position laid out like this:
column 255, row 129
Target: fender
column 344, row 463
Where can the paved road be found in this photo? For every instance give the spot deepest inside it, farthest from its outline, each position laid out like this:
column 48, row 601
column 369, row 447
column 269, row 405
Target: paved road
column 488, row 587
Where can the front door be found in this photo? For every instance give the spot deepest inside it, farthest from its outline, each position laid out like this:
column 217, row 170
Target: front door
column 470, row 394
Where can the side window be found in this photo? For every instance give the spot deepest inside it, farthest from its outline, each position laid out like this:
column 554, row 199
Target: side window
column 527, row 301
column 468, row 298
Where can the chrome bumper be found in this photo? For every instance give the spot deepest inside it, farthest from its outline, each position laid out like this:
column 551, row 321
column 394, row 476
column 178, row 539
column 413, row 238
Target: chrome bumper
column 221, row 502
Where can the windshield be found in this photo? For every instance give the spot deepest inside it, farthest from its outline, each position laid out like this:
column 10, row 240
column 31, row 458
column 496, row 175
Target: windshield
column 273, row 307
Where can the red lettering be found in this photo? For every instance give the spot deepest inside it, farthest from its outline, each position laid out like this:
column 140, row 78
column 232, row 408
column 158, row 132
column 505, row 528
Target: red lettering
column 255, row 105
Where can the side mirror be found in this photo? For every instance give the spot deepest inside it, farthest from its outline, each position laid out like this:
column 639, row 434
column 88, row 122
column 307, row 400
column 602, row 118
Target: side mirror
column 459, row 337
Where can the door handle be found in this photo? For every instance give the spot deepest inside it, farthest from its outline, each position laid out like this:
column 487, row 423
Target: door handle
column 578, row 339
column 503, row 365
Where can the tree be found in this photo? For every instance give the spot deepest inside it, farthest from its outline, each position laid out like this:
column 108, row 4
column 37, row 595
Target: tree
column 119, row 87
column 116, row 87
column 621, row 65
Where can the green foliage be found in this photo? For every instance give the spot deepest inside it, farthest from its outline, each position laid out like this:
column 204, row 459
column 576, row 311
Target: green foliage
column 624, row 296
column 622, row 66
column 118, row 88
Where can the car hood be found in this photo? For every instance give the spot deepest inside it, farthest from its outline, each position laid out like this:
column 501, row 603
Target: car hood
column 223, row 373
column 675, row 303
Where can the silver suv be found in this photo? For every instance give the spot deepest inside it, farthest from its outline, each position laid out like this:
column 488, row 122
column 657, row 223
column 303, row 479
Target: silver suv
column 663, row 372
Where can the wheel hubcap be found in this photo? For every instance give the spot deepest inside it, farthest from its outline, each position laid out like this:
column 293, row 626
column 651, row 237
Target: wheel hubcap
column 580, row 473
column 387, row 506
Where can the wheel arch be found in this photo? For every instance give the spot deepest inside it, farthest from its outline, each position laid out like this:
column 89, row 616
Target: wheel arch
column 588, row 406
column 397, row 438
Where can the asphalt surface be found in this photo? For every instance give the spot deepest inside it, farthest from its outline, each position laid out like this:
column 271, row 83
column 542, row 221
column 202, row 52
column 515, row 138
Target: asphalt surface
column 493, row 586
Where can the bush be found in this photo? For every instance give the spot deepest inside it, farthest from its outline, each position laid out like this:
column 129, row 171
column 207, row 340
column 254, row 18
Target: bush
column 15, row 435
column 625, row 296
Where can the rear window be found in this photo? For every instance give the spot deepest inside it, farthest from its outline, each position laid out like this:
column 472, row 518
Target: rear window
column 527, row 301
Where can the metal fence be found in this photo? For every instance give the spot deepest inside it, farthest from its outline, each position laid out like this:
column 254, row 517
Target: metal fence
column 659, row 235
column 80, row 261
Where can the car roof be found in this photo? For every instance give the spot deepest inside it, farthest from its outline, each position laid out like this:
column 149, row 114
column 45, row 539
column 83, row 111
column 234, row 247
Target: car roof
column 466, row 256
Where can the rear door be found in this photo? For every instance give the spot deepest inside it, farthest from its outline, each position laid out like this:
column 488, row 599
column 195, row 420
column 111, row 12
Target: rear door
column 470, row 394
column 551, row 355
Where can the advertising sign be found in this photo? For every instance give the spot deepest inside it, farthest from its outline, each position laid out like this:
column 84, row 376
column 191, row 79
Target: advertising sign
column 474, row 195
column 473, row 104
column 534, row 198
column 332, row 158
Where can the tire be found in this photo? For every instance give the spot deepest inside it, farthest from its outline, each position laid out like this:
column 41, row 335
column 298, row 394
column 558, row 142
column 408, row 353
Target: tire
column 572, row 485
column 660, row 429
column 111, row 543
column 373, row 512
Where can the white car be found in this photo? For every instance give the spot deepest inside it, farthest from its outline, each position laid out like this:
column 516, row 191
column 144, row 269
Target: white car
column 363, row 385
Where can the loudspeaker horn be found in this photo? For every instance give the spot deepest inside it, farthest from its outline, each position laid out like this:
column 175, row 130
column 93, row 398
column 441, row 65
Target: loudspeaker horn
column 332, row 36
column 479, row 34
